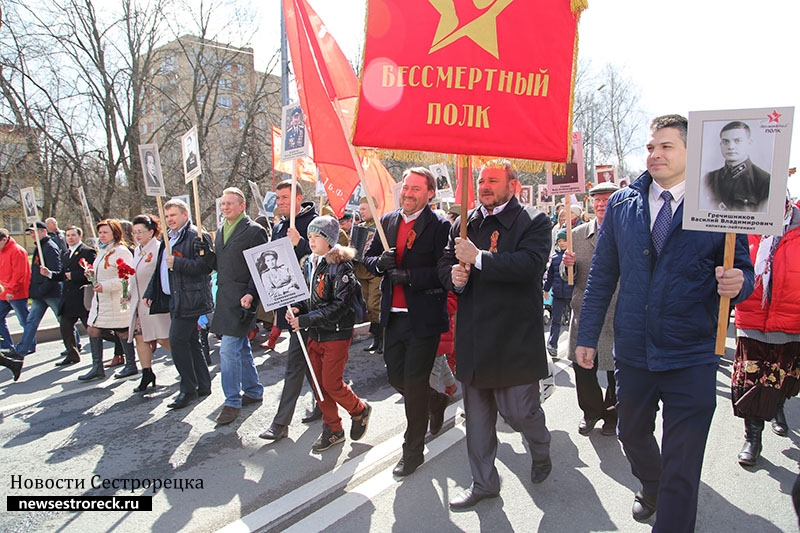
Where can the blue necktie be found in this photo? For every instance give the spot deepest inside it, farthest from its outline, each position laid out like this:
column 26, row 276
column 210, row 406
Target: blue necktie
column 663, row 221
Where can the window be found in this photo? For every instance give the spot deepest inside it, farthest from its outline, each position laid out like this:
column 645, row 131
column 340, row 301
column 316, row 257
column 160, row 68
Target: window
column 144, row 128
column 225, row 83
column 201, row 98
column 240, row 68
column 13, row 223
column 241, row 123
column 227, row 67
column 240, row 105
column 225, row 101
column 169, row 64
column 240, row 87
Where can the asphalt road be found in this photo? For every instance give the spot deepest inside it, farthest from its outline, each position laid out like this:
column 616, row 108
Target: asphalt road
column 55, row 428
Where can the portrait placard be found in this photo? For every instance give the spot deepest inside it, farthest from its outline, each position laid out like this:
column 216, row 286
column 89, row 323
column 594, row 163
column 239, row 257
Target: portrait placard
column 28, row 199
column 276, row 273
column 544, row 198
column 361, row 239
column 353, row 202
column 293, row 133
column 605, row 173
column 151, row 170
column 270, row 201
column 571, row 180
column 526, row 195
column 444, row 188
column 737, row 168
column 190, row 149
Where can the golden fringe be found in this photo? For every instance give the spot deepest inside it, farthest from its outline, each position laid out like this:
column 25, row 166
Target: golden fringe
column 431, row 158
column 578, row 5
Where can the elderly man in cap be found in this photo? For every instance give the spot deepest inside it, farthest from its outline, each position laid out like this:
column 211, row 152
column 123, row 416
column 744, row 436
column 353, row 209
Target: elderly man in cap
column 593, row 403
column 44, row 291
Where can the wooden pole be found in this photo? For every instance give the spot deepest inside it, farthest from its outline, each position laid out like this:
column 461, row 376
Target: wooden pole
column 570, row 270
column 724, row 301
column 466, row 181
column 293, row 199
column 38, row 244
column 164, row 225
column 315, row 382
column 198, row 220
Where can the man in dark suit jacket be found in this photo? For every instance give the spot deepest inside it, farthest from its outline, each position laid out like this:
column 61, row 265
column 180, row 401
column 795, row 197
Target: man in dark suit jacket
column 73, row 281
column 497, row 273
column 237, row 300
column 413, row 307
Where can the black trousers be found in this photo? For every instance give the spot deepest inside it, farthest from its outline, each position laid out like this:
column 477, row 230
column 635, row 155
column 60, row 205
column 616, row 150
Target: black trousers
column 187, row 355
column 409, row 360
column 296, row 371
column 66, row 325
column 590, row 395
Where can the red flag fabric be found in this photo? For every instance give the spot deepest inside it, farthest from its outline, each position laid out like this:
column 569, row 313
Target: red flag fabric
column 306, row 169
column 325, row 82
column 493, row 77
column 379, row 183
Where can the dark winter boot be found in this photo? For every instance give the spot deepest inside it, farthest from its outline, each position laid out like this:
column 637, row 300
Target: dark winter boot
column 97, row 371
column 752, row 442
column 12, row 364
column 779, row 425
column 377, row 338
column 148, row 378
column 130, row 368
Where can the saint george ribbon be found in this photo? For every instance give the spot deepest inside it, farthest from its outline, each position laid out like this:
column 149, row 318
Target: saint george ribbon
column 492, row 77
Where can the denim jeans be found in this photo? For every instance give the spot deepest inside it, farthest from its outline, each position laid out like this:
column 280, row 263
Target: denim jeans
column 38, row 307
column 20, row 307
column 238, row 370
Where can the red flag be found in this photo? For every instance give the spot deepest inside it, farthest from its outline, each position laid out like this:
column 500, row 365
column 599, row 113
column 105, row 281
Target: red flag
column 379, row 183
column 455, row 77
column 325, row 82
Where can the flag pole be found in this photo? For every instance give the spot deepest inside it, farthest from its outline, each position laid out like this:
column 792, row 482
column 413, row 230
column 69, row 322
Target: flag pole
column 164, row 222
column 293, row 199
column 568, row 208
column 725, row 301
column 466, row 181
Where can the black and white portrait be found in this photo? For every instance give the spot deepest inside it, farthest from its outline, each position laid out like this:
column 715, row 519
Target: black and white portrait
column 444, row 187
column 276, row 274
column 151, row 169
column 190, row 150
column 29, row 205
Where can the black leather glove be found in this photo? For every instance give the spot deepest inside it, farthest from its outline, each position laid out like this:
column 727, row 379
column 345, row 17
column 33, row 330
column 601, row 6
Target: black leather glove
column 201, row 247
column 388, row 260
column 400, row 276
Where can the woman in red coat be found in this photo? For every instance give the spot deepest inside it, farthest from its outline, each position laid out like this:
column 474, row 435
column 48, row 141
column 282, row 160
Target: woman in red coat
column 766, row 368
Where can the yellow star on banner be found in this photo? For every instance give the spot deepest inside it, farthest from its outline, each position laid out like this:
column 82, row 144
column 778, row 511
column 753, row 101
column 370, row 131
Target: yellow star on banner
column 482, row 29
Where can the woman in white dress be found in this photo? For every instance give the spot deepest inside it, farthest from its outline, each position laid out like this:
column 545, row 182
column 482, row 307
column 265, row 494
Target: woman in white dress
column 147, row 325
column 107, row 314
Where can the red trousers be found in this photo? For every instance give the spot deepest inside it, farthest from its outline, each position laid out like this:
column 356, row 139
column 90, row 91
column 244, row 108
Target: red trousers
column 329, row 359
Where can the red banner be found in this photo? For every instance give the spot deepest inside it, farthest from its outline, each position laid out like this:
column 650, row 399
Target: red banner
column 488, row 77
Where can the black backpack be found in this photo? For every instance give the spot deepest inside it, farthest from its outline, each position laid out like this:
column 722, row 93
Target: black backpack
column 359, row 305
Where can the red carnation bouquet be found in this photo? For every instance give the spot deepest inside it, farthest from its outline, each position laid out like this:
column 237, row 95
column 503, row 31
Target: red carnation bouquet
column 88, row 270
column 124, row 271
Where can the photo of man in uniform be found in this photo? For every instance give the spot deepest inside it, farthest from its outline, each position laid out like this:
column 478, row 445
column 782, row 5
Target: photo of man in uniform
column 151, row 175
column 739, row 185
column 30, row 205
column 189, row 153
column 296, row 134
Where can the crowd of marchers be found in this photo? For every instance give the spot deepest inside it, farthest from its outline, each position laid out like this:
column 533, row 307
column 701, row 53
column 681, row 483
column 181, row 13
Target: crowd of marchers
column 450, row 306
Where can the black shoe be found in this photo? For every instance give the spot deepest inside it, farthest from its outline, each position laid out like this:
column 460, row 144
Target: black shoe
column 327, row 439
column 643, row 507
column 360, row 422
column 437, row 414
column 312, row 416
column 183, row 400
column 406, row 466
column 12, row 364
column 275, row 432
column 203, row 392
column 587, row 425
column 469, row 498
column 779, row 425
column 609, row 428
column 68, row 361
column 540, row 470
column 148, row 378
column 750, row 452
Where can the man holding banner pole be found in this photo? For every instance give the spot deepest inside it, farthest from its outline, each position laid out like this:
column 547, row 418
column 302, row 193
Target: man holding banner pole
column 496, row 271
column 413, row 308
column 670, row 284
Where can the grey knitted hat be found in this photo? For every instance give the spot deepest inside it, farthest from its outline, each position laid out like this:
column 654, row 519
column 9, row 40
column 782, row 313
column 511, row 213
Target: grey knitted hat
column 327, row 228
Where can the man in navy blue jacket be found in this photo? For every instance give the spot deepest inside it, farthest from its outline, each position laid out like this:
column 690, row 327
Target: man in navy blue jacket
column 665, row 322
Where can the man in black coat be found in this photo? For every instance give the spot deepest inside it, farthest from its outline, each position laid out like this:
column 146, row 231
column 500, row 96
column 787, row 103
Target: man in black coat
column 500, row 333
column 413, row 307
column 237, row 300
column 44, row 290
column 295, row 362
column 73, row 279
column 185, row 277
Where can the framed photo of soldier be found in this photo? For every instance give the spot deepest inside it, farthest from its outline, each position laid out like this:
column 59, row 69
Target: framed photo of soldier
column 526, row 195
column 361, row 239
column 190, row 150
column 270, row 201
column 444, row 187
column 151, row 170
column 544, row 198
column 276, row 273
column 293, row 133
column 737, row 168
column 568, row 178
column 605, row 173
column 28, row 198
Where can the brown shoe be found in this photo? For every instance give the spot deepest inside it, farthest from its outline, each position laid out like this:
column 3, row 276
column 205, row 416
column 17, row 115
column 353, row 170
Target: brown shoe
column 247, row 400
column 227, row 415
column 116, row 361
